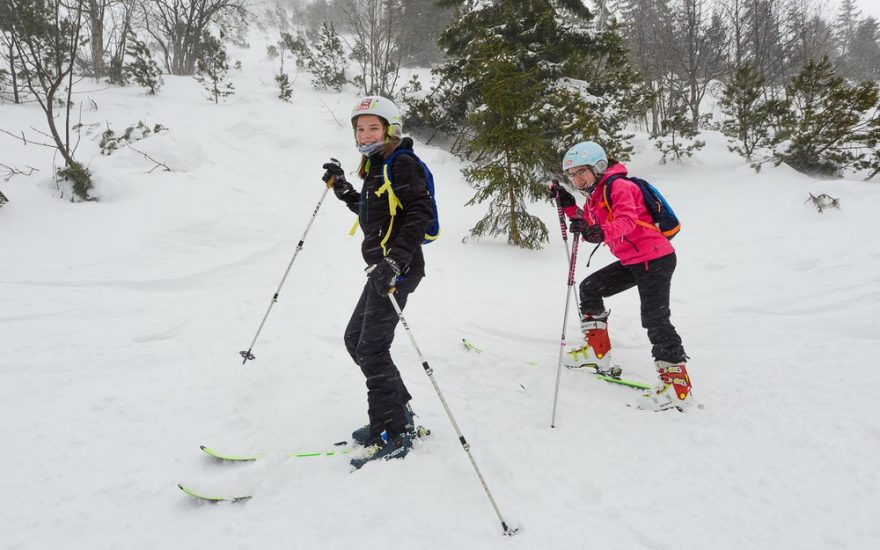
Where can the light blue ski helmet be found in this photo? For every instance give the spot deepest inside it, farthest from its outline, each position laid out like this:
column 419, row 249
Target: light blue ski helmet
column 586, row 153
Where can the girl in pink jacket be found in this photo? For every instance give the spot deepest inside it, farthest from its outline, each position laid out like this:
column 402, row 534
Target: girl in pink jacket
column 646, row 260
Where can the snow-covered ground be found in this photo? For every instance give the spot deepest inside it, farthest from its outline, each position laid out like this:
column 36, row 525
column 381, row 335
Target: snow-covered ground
column 121, row 323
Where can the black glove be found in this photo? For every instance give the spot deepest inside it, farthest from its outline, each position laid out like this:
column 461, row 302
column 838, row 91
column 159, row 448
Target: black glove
column 334, row 170
column 383, row 275
column 578, row 225
column 561, row 194
column 593, row 234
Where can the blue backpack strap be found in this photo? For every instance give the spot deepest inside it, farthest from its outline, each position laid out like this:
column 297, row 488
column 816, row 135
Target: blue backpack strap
column 434, row 229
column 397, row 153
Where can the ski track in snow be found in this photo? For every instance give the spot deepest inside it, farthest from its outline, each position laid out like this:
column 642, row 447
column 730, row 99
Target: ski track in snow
column 121, row 322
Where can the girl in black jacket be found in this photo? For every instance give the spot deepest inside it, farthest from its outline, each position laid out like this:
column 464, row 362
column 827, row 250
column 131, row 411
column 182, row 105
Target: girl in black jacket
column 393, row 253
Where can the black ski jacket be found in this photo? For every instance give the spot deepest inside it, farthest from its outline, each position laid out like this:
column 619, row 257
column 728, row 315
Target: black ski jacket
column 404, row 245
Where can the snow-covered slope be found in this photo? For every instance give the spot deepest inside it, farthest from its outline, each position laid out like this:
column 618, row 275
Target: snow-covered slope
column 121, row 322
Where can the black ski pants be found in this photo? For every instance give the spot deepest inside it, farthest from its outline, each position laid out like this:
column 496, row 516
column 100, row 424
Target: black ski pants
column 368, row 340
column 653, row 280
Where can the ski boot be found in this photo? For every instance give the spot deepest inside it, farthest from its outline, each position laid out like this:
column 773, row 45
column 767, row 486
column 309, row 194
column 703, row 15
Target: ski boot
column 673, row 391
column 361, row 435
column 396, row 446
column 596, row 351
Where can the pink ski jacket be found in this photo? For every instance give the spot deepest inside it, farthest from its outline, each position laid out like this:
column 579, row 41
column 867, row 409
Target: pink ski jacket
column 629, row 241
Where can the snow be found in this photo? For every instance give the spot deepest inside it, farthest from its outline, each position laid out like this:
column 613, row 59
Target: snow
column 121, row 323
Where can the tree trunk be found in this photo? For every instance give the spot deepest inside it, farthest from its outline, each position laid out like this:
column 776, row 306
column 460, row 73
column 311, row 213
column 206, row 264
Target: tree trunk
column 96, row 16
column 13, row 72
column 655, row 113
column 514, row 236
column 50, row 118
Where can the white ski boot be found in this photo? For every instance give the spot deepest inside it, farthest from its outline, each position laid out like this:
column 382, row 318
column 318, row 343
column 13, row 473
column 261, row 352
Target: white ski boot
column 596, row 351
column 673, row 391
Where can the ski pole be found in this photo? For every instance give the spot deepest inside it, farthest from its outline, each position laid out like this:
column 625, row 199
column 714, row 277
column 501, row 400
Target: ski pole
column 247, row 354
column 464, row 444
column 571, row 267
column 563, row 229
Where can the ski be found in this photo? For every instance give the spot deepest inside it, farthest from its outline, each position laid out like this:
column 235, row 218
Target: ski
column 207, row 498
column 628, row 383
column 470, row 347
column 341, row 449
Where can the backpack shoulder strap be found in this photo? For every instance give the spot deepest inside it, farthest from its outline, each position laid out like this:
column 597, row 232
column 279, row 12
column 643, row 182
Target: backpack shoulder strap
column 387, row 175
column 394, row 202
column 640, row 183
column 606, row 191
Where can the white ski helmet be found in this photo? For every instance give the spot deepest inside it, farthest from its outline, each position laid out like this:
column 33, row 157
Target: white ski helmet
column 586, row 153
column 382, row 108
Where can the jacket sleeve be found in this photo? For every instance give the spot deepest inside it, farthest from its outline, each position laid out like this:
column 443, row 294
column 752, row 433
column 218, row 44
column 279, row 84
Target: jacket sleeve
column 352, row 200
column 572, row 212
column 626, row 201
column 408, row 182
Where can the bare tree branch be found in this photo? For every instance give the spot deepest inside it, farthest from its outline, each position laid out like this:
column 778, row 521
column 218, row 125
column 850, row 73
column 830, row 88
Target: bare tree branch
column 24, row 139
column 151, row 159
column 8, row 172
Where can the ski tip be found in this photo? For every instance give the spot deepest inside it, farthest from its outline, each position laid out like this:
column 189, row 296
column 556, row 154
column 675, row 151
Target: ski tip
column 213, row 500
column 226, row 457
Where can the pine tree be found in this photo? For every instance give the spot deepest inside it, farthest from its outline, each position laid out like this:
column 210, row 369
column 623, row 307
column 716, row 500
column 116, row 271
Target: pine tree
column 870, row 162
column 285, row 89
column 750, row 118
column 212, row 67
column 505, row 130
column 765, row 46
column 844, row 29
column 282, row 79
column 424, row 21
column 830, row 121
column 142, row 69
column 327, row 61
column 648, row 27
column 864, row 53
column 677, row 140
column 518, row 90
column 613, row 91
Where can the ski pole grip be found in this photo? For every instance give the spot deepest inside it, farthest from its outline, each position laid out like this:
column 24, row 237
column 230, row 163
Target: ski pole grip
column 331, row 181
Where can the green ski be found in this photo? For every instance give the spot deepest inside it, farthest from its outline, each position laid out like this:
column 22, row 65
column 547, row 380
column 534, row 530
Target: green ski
column 230, row 457
column 610, row 379
column 213, row 499
column 470, row 347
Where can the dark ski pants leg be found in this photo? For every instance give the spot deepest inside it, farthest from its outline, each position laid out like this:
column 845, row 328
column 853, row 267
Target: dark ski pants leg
column 653, row 281
column 368, row 340
column 608, row 281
